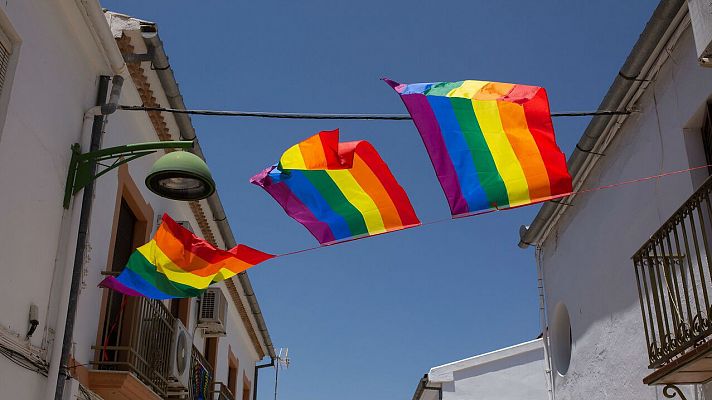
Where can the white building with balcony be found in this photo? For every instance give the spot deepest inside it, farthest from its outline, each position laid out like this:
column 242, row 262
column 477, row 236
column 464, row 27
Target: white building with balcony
column 625, row 272
column 55, row 56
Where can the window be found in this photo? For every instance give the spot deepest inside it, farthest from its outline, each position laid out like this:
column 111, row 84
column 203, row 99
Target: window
column 233, row 365
column 211, row 351
column 707, row 136
column 246, row 385
column 5, row 52
column 561, row 339
column 180, row 309
column 9, row 45
column 124, row 245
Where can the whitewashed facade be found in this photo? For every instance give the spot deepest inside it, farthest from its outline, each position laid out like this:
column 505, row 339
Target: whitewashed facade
column 596, row 339
column 52, row 54
column 512, row 373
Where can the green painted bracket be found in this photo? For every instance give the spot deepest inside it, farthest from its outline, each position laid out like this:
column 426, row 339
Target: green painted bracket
column 80, row 165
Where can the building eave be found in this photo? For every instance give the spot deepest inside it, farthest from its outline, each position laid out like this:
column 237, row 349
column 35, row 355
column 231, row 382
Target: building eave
column 620, row 96
column 445, row 372
column 239, row 287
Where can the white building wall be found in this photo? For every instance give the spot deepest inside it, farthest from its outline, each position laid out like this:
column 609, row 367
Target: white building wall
column 515, row 373
column 587, row 258
column 56, row 79
column 53, row 83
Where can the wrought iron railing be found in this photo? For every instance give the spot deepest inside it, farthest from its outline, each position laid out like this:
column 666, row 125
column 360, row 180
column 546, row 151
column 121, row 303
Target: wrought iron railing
column 136, row 337
column 222, row 392
column 674, row 276
column 201, row 377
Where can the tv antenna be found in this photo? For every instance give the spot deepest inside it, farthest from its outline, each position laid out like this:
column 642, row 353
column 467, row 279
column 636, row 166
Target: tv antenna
column 282, row 361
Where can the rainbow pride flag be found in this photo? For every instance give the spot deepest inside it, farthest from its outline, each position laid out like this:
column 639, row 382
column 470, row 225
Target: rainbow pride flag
column 338, row 190
column 492, row 144
column 176, row 263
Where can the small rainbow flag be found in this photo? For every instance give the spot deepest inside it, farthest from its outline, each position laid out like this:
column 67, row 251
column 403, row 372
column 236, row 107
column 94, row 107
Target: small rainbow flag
column 492, row 144
column 176, row 263
column 338, row 190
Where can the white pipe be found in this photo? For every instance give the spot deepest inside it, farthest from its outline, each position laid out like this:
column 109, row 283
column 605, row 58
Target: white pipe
column 544, row 323
column 94, row 16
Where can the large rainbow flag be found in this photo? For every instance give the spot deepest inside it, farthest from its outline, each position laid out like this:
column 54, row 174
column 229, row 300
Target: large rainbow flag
column 176, row 263
column 338, row 190
column 492, row 144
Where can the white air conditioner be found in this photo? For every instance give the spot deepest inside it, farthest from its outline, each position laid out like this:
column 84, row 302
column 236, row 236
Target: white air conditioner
column 701, row 18
column 179, row 358
column 212, row 313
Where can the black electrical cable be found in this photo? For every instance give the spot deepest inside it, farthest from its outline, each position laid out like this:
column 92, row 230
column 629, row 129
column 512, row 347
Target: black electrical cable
column 24, row 361
column 362, row 117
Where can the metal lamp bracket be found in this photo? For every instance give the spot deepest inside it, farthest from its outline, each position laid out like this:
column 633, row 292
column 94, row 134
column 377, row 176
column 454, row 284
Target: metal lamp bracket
column 80, row 165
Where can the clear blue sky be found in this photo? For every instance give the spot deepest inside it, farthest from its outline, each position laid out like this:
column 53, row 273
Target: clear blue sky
column 367, row 319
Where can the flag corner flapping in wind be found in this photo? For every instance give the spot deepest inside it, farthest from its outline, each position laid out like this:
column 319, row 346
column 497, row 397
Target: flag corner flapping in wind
column 492, row 144
column 177, row 264
column 338, row 191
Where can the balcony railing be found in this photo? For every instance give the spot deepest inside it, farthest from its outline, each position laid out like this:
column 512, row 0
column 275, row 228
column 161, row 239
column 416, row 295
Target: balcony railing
column 222, row 392
column 137, row 338
column 201, row 377
column 674, row 276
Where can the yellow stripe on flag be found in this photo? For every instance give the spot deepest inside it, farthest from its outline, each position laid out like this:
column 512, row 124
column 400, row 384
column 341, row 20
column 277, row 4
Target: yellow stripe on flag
column 358, row 197
column 173, row 272
column 505, row 159
column 468, row 89
column 293, row 159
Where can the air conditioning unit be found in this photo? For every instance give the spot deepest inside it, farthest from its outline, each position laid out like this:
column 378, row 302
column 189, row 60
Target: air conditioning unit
column 179, row 358
column 212, row 312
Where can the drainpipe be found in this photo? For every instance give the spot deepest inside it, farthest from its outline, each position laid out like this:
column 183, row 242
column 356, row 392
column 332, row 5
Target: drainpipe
column 257, row 371
column 97, row 131
column 544, row 323
column 187, row 132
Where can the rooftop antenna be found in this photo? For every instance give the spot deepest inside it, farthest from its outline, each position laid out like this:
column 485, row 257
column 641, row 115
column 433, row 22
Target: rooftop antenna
column 282, row 362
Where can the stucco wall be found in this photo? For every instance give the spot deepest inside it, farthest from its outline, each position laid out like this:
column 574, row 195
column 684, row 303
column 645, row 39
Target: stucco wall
column 55, row 80
column 587, row 258
column 55, row 83
column 516, row 377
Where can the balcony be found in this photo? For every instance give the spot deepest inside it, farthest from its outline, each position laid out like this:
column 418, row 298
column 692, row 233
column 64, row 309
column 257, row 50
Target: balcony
column 222, row 392
column 136, row 339
column 674, row 276
column 201, row 377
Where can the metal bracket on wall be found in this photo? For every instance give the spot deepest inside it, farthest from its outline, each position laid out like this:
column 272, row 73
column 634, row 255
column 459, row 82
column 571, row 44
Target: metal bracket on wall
column 79, row 174
column 670, row 391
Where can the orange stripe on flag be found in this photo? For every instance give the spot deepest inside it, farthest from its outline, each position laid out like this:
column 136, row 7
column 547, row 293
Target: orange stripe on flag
column 514, row 122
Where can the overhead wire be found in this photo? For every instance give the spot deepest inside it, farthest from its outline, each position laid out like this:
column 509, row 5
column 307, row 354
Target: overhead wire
column 323, row 116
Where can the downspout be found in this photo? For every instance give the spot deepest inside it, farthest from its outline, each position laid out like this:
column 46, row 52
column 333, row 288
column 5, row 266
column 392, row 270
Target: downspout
column 628, row 78
column 257, row 371
column 187, row 132
column 543, row 320
column 83, row 236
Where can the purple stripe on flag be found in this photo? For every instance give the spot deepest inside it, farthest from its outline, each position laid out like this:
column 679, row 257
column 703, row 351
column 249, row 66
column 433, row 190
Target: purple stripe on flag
column 424, row 119
column 293, row 206
column 112, row 283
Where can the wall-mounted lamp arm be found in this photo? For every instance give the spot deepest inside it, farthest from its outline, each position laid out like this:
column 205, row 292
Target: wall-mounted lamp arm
column 79, row 174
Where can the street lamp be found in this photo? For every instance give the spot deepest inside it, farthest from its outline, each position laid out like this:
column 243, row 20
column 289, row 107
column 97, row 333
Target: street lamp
column 178, row 175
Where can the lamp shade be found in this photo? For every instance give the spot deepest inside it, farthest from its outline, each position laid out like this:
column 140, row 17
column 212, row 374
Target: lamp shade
column 181, row 175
